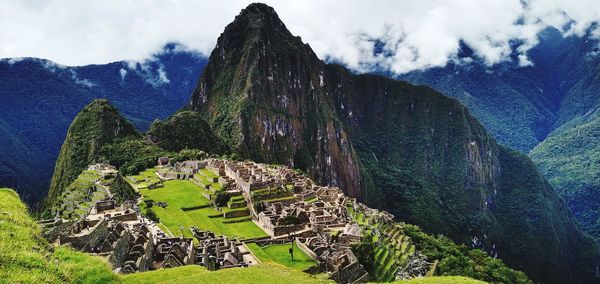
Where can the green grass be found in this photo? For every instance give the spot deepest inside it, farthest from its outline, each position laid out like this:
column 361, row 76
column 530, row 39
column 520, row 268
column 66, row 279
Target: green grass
column 311, row 200
column 245, row 229
column 441, row 280
column 25, row 257
column 177, row 194
column 285, row 198
column 259, row 274
column 279, row 254
column 145, row 178
column 183, row 193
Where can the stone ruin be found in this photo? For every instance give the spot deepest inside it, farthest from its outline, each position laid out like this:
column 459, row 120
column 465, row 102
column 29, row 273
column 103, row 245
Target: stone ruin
column 214, row 252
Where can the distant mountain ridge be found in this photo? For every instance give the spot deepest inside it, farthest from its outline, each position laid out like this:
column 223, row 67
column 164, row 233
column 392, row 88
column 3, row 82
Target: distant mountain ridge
column 40, row 98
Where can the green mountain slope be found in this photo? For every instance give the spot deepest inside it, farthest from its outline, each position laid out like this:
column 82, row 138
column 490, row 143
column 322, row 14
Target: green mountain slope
column 97, row 124
column 399, row 147
column 570, row 159
column 185, row 129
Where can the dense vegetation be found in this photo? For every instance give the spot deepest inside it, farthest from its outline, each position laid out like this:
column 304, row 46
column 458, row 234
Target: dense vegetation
column 132, row 155
column 570, row 159
column 97, row 124
column 463, row 261
column 122, row 190
column 185, row 130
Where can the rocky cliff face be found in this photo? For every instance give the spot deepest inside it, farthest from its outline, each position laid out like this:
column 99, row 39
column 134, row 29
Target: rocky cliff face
column 400, row 147
column 263, row 93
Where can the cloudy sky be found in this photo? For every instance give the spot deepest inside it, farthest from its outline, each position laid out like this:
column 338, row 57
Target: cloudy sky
column 417, row 34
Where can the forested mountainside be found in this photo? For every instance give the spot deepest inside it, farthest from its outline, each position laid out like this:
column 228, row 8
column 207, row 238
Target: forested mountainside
column 550, row 108
column 403, row 148
column 570, row 159
column 40, row 98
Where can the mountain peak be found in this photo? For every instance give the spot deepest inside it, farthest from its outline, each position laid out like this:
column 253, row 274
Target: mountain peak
column 259, row 16
column 258, row 25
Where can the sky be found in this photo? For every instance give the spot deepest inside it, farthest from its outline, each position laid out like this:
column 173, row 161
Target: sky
column 416, row 34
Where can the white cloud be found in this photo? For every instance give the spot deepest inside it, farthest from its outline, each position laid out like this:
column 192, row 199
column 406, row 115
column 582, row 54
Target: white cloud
column 123, row 73
column 416, row 34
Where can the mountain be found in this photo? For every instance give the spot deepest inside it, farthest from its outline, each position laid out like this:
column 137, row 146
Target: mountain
column 404, row 148
column 185, row 130
column 551, row 108
column 40, row 98
column 99, row 123
column 570, row 159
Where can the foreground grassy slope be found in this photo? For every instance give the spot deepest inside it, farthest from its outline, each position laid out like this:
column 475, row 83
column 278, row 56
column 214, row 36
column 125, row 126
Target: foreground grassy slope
column 25, row 257
column 264, row 273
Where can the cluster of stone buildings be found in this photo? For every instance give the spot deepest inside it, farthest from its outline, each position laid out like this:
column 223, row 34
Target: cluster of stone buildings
column 216, row 252
column 287, row 205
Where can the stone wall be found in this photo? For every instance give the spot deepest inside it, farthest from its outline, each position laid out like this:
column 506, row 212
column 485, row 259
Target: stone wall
column 120, row 249
column 91, row 237
column 283, row 230
column 236, row 213
column 306, row 250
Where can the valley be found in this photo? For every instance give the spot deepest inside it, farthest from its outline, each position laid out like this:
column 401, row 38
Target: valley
column 265, row 163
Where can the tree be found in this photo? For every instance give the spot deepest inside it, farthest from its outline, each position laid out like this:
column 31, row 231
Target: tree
column 221, row 198
column 289, row 220
column 365, row 252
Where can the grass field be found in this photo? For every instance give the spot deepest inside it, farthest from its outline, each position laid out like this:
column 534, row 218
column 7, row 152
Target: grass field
column 440, row 280
column 260, row 274
column 183, row 193
column 279, row 254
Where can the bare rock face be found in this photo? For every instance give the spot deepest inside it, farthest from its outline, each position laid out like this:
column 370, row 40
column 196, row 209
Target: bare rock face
column 399, row 147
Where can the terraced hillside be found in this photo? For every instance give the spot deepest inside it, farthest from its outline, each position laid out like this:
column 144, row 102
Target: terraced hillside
column 392, row 247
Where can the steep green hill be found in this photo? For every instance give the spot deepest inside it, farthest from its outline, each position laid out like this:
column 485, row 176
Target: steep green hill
column 97, row 124
column 400, row 147
column 570, row 159
column 185, row 130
